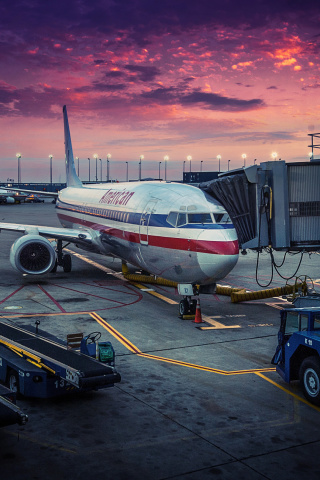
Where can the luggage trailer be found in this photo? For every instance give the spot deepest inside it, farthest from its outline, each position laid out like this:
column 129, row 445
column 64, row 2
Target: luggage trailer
column 36, row 366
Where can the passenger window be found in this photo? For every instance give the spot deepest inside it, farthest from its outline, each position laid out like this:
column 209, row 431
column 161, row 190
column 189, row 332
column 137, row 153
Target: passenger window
column 199, row 218
column 292, row 323
column 172, row 218
column 182, row 219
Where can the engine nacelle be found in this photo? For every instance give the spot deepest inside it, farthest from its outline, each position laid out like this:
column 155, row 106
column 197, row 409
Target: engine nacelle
column 33, row 254
column 10, row 200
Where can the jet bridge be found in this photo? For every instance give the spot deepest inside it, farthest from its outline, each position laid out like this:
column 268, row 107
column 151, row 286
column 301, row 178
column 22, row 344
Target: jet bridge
column 273, row 205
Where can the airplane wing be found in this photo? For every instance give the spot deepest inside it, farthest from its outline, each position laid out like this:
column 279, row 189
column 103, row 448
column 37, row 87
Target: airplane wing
column 68, row 234
column 38, row 192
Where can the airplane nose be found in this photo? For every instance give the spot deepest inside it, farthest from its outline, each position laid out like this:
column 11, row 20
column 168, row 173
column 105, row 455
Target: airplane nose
column 217, row 253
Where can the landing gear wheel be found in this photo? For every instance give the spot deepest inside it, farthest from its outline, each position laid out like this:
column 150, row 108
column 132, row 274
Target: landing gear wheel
column 13, row 381
column 93, row 337
column 309, row 376
column 66, row 263
column 183, row 307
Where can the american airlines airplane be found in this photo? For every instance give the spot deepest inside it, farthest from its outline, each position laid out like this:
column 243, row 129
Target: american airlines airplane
column 171, row 230
column 8, row 196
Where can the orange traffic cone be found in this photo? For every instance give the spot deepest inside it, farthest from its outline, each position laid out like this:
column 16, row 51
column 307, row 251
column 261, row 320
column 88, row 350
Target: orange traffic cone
column 198, row 318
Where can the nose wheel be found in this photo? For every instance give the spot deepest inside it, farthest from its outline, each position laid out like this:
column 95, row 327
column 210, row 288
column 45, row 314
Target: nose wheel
column 187, row 306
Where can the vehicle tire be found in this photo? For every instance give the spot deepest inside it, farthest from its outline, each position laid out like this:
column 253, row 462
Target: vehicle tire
column 13, row 381
column 67, row 263
column 309, row 376
column 183, row 307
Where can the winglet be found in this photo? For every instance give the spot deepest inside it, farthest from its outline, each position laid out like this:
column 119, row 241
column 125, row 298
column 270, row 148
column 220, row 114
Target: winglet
column 72, row 178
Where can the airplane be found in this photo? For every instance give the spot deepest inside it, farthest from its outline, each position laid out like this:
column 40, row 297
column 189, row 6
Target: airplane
column 9, row 196
column 168, row 229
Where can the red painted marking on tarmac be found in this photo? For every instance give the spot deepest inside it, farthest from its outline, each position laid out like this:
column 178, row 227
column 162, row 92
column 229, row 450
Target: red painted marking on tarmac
column 11, row 294
column 53, row 300
column 98, row 285
column 91, row 295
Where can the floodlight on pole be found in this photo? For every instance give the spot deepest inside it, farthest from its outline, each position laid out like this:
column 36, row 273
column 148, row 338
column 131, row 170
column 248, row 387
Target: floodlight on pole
column 77, row 158
column 96, row 157
column 51, row 157
column 219, row 158
column 18, row 155
column 141, row 158
column 165, row 158
column 127, row 176
column 108, row 161
column 189, row 158
column 244, row 156
column 274, row 155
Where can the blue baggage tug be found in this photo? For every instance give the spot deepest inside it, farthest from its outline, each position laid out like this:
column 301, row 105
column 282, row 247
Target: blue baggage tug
column 297, row 356
column 36, row 366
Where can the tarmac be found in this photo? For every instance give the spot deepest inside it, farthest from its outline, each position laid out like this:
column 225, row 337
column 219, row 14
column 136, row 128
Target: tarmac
column 196, row 401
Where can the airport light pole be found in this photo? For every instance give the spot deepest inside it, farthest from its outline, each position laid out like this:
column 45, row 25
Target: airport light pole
column 219, row 159
column 274, row 155
column 18, row 155
column 184, row 166
column 127, row 173
column 189, row 158
column 51, row 156
column 166, row 158
column 244, row 156
column 89, row 168
column 100, row 169
column 201, row 162
column 228, row 164
column 96, row 157
column 141, row 158
column 108, row 161
column 159, row 170
column 77, row 158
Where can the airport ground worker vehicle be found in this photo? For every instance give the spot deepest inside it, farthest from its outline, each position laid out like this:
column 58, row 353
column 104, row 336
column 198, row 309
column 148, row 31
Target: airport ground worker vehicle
column 297, row 355
column 36, row 366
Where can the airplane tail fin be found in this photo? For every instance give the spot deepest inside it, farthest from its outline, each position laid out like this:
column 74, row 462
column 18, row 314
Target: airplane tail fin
column 72, row 178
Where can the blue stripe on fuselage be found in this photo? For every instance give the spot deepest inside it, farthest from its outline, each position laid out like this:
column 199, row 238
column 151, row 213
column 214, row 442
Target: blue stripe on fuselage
column 134, row 218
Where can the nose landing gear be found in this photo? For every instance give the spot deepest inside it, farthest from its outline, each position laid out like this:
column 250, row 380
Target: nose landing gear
column 187, row 306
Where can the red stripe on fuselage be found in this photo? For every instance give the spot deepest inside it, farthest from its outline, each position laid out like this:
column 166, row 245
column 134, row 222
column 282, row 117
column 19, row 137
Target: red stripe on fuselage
column 202, row 246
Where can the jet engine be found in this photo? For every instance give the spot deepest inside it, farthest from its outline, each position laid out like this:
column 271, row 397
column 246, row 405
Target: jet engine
column 33, row 254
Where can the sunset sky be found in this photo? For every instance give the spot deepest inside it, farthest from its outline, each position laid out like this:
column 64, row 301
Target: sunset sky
column 155, row 78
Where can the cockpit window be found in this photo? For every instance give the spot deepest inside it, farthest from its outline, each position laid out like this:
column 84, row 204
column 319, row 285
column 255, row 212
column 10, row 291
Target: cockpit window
column 182, row 219
column 222, row 218
column 199, row 218
column 172, row 218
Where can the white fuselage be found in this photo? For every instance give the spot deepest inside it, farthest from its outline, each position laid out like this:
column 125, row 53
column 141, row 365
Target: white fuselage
column 168, row 229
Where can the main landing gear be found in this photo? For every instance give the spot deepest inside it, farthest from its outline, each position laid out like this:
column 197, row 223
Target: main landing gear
column 63, row 260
